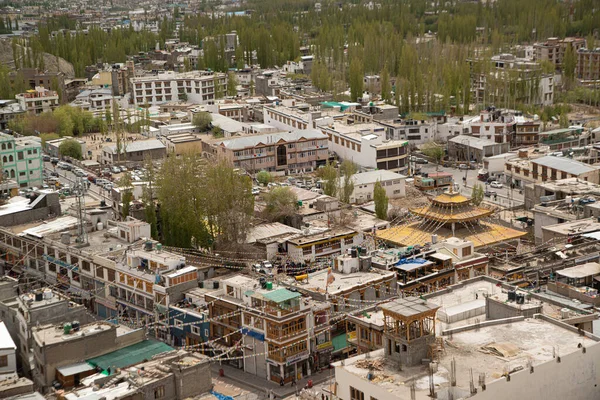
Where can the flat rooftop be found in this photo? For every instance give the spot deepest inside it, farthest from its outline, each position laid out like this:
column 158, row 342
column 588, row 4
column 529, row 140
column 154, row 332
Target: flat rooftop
column 575, row 227
column 52, row 334
column 317, row 281
column 491, row 350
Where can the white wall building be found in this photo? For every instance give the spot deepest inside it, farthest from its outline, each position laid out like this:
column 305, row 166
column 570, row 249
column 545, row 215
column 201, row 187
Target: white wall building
column 8, row 357
column 367, row 146
column 196, row 87
column 540, row 359
column 364, row 184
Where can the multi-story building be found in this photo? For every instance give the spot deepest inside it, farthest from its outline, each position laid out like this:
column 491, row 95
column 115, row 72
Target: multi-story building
column 494, row 126
column 134, row 151
column 553, row 49
column 415, row 131
column 291, row 115
column 22, row 159
column 588, row 64
column 528, row 82
column 148, row 279
column 270, row 327
column 367, row 146
column 42, row 307
column 330, row 243
column 9, row 110
column 527, row 133
column 364, row 185
column 293, row 152
column 96, row 101
column 522, row 171
column 32, row 78
column 414, row 331
column 195, row 87
column 38, row 100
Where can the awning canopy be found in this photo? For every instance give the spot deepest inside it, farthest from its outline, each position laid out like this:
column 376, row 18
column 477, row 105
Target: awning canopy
column 72, row 369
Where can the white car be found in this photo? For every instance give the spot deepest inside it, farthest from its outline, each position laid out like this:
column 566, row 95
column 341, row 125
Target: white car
column 496, row 185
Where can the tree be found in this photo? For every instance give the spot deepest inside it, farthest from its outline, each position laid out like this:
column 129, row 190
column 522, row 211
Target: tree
column 347, row 169
column 433, row 150
column 202, row 121
column 477, row 194
column 568, row 65
column 263, row 177
column 126, row 199
column 386, row 87
column 281, row 203
column 218, row 132
column 70, row 148
column 218, row 88
column 192, row 214
column 232, row 84
column 356, row 79
column 148, row 197
column 328, row 175
column 381, row 201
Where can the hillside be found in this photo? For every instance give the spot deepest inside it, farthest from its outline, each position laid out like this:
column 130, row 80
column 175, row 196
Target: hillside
column 50, row 61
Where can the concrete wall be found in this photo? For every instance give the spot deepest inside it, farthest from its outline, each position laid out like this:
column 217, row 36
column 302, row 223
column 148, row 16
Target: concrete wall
column 49, row 205
column 408, row 354
column 575, row 377
column 12, row 361
column 499, row 310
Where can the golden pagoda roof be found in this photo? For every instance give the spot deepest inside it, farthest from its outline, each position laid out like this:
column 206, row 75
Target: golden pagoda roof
column 450, row 197
column 481, row 234
column 451, row 207
column 452, row 212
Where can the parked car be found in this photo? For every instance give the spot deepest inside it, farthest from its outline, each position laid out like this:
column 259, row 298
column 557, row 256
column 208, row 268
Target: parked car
column 489, row 193
column 55, row 174
column 115, row 170
column 463, row 166
column 267, row 264
column 255, row 191
column 54, row 160
column 46, row 158
column 496, row 185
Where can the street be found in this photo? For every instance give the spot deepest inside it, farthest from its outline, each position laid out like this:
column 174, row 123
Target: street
column 67, row 177
column 505, row 196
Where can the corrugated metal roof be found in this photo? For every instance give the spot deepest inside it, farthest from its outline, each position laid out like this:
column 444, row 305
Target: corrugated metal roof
column 281, row 295
column 272, row 138
column 408, row 306
column 73, row 369
column 130, row 355
column 565, row 165
column 374, row 176
column 141, row 145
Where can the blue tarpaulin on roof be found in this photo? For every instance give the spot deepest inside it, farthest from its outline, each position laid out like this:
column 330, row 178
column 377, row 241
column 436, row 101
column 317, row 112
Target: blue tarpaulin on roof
column 411, row 261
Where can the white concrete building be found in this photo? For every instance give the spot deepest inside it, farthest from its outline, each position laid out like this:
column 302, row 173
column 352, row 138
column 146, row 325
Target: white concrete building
column 416, row 132
column 196, row 87
column 515, row 358
column 367, row 146
column 364, row 184
column 38, row 101
column 8, row 356
column 96, row 101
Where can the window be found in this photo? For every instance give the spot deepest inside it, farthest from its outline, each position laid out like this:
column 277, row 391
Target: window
column 195, row 330
column 4, row 361
column 206, row 333
column 356, row 394
column 178, row 324
column 159, row 392
column 466, row 251
column 20, row 155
